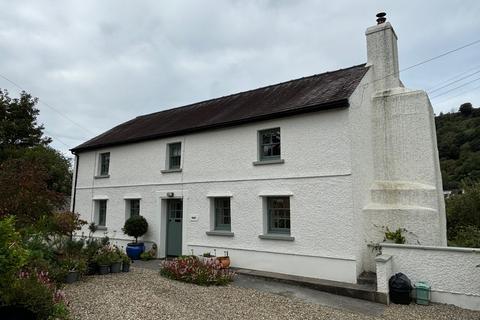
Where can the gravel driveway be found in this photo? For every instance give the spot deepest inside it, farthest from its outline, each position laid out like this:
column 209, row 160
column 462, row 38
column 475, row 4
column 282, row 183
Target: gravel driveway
column 144, row 294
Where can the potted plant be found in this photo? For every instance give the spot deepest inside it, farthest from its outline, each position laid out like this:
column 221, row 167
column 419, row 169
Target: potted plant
column 104, row 259
column 116, row 260
column 135, row 227
column 224, row 261
column 71, row 268
column 125, row 262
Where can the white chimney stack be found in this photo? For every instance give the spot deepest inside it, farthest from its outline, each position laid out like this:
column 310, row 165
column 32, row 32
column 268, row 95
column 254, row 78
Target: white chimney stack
column 382, row 54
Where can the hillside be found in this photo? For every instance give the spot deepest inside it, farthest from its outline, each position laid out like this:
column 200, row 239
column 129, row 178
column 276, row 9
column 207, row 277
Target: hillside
column 458, row 138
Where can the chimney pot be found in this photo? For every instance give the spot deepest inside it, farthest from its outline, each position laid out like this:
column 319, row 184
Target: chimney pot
column 381, row 17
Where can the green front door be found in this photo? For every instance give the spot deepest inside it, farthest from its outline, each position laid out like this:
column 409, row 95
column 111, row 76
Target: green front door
column 174, row 227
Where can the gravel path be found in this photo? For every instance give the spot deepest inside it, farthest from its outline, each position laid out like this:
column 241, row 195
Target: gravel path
column 144, row 294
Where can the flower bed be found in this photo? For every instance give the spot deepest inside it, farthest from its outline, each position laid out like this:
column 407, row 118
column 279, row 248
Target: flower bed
column 191, row 269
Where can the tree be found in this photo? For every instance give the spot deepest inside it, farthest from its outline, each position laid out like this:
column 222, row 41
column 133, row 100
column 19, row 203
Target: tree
column 24, row 191
column 135, row 227
column 18, row 122
column 466, row 109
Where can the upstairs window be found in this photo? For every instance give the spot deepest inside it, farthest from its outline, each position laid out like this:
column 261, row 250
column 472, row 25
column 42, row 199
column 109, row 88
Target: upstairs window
column 222, row 214
column 104, row 164
column 133, row 207
column 269, row 144
column 278, row 214
column 174, row 155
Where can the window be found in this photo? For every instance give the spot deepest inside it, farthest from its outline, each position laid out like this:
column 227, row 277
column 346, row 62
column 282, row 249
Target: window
column 104, row 163
column 278, row 214
column 222, row 213
column 269, row 144
column 101, row 212
column 174, row 155
column 133, row 207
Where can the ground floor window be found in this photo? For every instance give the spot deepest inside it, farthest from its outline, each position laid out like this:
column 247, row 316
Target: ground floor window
column 278, row 215
column 101, row 212
column 222, row 213
column 132, row 207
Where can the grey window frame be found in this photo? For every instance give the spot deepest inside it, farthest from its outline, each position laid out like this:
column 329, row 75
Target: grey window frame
column 271, row 144
column 271, row 228
column 219, row 214
column 131, row 207
column 101, row 211
column 170, row 155
column 104, row 164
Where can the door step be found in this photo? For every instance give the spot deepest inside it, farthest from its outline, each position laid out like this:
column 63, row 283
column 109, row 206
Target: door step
column 359, row 291
column 367, row 277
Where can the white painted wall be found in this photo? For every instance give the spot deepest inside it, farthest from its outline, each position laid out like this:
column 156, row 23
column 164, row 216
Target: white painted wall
column 453, row 273
column 316, row 173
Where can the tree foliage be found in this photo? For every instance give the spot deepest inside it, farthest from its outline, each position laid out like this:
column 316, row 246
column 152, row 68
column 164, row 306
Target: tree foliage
column 458, row 138
column 24, row 191
column 18, row 122
column 135, row 226
column 463, row 216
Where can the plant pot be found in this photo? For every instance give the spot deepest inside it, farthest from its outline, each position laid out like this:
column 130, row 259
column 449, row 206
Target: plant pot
column 115, row 267
column 126, row 267
column 104, row 269
column 224, row 262
column 134, row 250
column 91, row 268
column 71, row 276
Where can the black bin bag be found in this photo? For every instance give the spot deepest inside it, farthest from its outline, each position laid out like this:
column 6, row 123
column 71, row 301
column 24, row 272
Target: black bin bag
column 400, row 287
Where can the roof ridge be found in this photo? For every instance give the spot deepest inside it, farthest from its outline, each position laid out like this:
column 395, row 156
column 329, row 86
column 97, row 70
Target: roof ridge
column 247, row 91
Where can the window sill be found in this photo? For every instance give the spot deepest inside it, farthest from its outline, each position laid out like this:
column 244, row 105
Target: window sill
column 265, row 162
column 101, row 228
column 276, row 237
column 220, row 233
column 102, row 177
column 171, row 170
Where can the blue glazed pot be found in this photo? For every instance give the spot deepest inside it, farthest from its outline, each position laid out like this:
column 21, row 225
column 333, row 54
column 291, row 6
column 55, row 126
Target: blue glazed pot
column 134, row 250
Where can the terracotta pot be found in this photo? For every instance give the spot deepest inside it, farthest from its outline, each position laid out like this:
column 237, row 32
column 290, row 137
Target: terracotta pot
column 224, row 262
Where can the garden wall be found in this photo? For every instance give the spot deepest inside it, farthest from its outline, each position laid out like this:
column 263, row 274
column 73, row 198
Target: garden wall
column 453, row 273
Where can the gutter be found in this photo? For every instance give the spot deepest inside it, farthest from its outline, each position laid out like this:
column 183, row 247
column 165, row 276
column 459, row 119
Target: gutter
column 77, row 157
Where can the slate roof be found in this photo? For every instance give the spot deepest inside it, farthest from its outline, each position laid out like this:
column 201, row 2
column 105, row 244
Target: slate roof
column 318, row 92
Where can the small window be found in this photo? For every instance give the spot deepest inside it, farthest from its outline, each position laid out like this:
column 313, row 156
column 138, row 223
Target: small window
column 174, row 155
column 104, row 163
column 101, row 212
column 133, row 208
column 269, row 144
column 222, row 214
column 278, row 214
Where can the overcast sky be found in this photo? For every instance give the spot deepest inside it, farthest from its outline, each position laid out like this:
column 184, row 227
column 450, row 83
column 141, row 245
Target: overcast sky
column 100, row 63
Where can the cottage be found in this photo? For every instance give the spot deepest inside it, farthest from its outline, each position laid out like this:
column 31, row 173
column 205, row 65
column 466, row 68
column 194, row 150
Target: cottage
column 298, row 177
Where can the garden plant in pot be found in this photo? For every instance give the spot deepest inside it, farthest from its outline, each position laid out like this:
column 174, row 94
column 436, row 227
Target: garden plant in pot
column 125, row 262
column 104, row 258
column 135, row 227
column 73, row 268
column 116, row 265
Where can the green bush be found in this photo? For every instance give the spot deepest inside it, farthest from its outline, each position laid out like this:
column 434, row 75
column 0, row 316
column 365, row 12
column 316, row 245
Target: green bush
column 463, row 216
column 13, row 255
column 37, row 293
column 145, row 256
column 135, row 226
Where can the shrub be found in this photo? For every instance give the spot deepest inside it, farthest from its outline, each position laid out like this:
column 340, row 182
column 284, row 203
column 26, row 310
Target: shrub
column 135, row 227
column 65, row 223
column 13, row 255
column 37, row 293
column 145, row 256
column 191, row 269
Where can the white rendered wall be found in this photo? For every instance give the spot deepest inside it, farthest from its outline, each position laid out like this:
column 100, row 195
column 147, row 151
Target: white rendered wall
column 453, row 273
column 316, row 173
